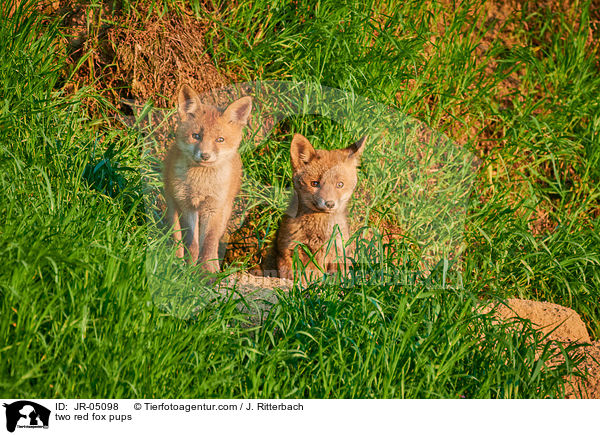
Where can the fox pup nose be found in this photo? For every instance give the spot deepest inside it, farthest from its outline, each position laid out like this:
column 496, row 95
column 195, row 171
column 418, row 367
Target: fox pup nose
column 201, row 156
column 330, row 204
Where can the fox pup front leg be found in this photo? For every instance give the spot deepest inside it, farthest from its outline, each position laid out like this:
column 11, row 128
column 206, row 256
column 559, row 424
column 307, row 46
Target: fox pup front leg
column 173, row 222
column 211, row 229
column 189, row 223
column 284, row 266
column 338, row 261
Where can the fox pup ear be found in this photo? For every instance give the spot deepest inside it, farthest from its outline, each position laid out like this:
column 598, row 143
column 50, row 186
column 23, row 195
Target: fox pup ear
column 356, row 149
column 189, row 101
column 301, row 151
column 239, row 111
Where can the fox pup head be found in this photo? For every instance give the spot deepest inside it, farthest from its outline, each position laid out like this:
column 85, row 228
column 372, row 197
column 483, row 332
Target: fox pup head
column 324, row 180
column 207, row 135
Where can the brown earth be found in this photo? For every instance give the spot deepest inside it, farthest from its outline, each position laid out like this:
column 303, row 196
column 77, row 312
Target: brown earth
column 558, row 322
column 138, row 59
column 258, row 293
column 563, row 325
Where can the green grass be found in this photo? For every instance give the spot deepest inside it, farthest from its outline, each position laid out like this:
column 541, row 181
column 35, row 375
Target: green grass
column 78, row 240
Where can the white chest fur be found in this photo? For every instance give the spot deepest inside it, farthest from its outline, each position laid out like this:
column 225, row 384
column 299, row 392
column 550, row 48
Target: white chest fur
column 200, row 186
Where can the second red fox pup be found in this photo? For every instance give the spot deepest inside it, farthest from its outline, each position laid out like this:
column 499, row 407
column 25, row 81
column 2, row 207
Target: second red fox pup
column 323, row 185
column 203, row 173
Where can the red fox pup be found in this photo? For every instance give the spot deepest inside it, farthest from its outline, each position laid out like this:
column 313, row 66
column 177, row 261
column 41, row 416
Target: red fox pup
column 323, row 184
column 203, row 173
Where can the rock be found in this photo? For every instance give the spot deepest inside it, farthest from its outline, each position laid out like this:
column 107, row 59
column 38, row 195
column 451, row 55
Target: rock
column 589, row 388
column 258, row 292
column 545, row 316
column 569, row 328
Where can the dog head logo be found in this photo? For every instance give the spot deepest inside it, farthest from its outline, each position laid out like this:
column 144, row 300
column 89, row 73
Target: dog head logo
column 26, row 414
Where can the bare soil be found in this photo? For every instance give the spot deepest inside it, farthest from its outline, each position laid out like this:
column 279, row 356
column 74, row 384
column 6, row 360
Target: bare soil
column 558, row 322
column 564, row 325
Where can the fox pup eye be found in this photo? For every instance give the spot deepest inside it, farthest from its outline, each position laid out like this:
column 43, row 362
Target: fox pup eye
column 314, row 183
column 340, row 185
column 196, row 136
column 220, row 139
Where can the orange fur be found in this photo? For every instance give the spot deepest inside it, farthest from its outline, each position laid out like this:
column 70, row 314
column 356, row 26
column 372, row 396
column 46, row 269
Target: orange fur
column 323, row 185
column 203, row 173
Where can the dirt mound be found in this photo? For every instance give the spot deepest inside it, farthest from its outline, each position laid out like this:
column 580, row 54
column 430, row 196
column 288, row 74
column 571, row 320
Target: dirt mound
column 158, row 56
column 564, row 325
column 588, row 388
column 258, row 294
column 560, row 323
column 138, row 55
